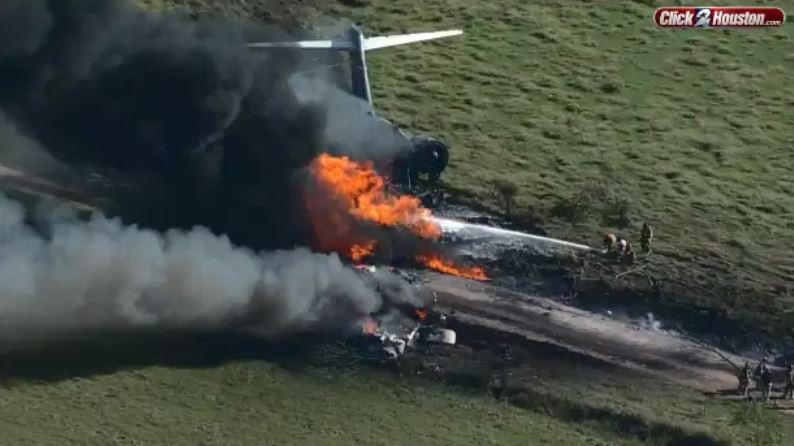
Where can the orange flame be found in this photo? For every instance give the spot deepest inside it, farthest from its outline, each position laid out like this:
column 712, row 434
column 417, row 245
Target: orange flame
column 369, row 327
column 364, row 193
column 359, row 252
column 446, row 267
column 421, row 314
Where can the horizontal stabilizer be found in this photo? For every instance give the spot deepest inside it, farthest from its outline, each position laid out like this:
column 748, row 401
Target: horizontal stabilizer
column 370, row 43
column 374, row 43
column 342, row 45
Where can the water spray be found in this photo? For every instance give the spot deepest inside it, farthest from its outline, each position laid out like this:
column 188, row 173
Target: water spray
column 453, row 226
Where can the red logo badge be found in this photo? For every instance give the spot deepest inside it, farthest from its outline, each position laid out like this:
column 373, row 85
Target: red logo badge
column 719, row 17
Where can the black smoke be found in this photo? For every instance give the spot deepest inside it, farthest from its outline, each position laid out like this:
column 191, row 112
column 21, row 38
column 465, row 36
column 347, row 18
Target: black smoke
column 103, row 82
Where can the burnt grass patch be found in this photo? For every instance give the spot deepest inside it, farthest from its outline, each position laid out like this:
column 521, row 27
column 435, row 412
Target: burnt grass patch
column 597, row 283
column 714, row 310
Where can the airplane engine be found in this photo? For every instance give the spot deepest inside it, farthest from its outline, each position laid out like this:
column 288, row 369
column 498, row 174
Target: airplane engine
column 428, row 156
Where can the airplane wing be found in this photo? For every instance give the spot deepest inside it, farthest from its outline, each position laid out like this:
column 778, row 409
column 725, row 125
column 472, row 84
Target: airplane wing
column 369, row 44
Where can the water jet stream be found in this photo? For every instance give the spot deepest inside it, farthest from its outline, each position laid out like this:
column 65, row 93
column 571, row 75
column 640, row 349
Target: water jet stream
column 449, row 225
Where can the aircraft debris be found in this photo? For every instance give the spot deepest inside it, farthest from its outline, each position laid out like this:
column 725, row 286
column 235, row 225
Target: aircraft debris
column 395, row 329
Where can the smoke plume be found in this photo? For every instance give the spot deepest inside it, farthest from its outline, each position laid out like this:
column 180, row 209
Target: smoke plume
column 103, row 83
column 69, row 276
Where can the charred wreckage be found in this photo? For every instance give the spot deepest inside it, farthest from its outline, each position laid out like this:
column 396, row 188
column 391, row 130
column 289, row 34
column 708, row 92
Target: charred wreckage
column 394, row 329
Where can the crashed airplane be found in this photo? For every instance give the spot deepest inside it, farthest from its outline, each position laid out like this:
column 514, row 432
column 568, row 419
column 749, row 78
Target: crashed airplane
column 426, row 156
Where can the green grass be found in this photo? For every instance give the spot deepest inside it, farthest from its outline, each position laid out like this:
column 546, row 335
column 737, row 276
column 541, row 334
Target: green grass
column 259, row 404
column 137, row 394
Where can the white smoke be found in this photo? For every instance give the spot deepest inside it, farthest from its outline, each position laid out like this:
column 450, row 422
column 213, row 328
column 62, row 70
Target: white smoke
column 69, row 276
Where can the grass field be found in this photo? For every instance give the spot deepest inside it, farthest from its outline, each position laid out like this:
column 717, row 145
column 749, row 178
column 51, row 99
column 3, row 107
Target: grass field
column 688, row 130
column 231, row 393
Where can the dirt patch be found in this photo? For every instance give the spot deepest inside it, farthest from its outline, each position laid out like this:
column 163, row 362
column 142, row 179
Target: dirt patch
column 599, row 338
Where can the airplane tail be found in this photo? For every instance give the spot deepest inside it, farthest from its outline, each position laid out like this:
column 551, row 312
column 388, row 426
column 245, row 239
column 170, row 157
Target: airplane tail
column 357, row 45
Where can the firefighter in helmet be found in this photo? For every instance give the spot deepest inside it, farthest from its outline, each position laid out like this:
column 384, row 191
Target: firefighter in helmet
column 764, row 375
column 623, row 244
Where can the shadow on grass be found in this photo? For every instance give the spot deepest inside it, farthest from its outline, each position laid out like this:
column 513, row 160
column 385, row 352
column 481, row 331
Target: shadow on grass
column 625, row 424
column 108, row 354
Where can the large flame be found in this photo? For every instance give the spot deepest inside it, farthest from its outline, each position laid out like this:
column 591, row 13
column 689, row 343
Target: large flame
column 447, row 267
column 363, row 195
column 357, row 252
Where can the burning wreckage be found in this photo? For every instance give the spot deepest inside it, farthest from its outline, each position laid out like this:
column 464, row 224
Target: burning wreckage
column 420, row 155
column 357, row 191
column 387, row 334
column 240, row 156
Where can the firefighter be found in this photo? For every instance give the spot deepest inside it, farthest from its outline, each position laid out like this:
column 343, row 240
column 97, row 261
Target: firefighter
column 609, row 243
column 629, row 255
column 788, row 392
column 744, row 375
column 764, row 375
column 645, row 237
column 622, row 245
